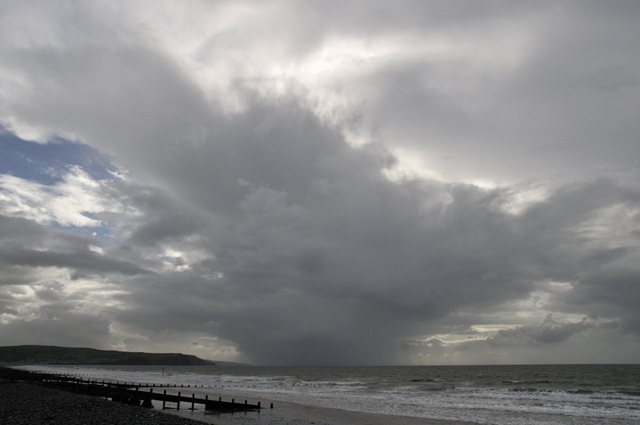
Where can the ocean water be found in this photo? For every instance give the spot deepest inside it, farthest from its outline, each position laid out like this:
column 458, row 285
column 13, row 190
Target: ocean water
column 531, row 395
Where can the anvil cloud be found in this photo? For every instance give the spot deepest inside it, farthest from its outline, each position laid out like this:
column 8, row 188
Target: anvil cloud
column 355, row 182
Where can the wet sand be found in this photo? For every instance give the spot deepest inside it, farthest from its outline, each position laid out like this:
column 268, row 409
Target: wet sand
column 287, row 413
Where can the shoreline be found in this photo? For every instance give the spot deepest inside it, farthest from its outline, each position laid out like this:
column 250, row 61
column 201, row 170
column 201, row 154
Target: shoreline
column 287, row 412
column 31, row 404
column 411, row 396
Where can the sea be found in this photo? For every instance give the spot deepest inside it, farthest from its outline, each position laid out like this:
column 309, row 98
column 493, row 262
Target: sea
column 405, row 395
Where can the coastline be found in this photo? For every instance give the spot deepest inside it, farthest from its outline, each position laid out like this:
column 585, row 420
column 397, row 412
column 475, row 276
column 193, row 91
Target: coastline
column 29, row 404
column 286, row 412
column 410, row 395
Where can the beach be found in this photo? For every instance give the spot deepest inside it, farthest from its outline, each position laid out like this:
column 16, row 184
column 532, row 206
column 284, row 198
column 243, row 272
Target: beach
column 287, row 413
column 31, row 404
column 394, row 395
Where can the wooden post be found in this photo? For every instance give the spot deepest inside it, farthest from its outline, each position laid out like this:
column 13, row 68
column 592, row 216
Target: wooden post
column 164, row 399
column 178, row 408
column 148, row 401
column 193, row 397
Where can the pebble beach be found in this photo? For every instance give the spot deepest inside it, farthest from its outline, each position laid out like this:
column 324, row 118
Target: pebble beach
column 28, row 404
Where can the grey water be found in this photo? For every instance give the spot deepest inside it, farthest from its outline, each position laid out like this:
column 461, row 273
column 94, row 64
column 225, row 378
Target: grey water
column 527, row 395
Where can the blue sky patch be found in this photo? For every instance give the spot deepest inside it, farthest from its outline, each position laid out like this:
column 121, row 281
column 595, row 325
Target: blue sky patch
column 47, row 163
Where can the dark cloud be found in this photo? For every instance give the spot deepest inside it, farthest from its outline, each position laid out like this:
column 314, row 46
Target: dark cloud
column 20, row 232
column 22, row 242
column 82, row 261
column 350, row 270
column 59, row 328
column 610, row 291
column 295, row 277
column 547, row 332
column 285, row 193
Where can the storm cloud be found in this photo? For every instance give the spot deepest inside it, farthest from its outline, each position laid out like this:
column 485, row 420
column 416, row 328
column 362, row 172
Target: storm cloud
column 354, row 183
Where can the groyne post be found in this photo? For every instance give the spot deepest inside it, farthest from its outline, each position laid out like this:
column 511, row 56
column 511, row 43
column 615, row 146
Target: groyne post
column 147, row 402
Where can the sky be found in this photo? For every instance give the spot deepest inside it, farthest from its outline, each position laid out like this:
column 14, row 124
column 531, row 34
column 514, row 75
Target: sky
column 323, row 182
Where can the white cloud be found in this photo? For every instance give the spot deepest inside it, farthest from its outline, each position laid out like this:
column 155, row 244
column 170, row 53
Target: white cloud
column 66, row 203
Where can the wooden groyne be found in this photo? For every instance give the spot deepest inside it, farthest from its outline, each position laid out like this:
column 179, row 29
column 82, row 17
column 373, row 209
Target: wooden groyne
column 129, row 393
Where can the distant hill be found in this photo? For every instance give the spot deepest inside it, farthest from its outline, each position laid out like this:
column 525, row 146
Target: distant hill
column 40, row 354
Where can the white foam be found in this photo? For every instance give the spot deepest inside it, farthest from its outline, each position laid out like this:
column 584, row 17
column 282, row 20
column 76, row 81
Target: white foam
column 380, row 394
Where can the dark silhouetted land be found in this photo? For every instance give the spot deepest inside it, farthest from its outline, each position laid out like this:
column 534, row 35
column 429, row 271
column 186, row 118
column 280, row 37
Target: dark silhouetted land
column 41, row 354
